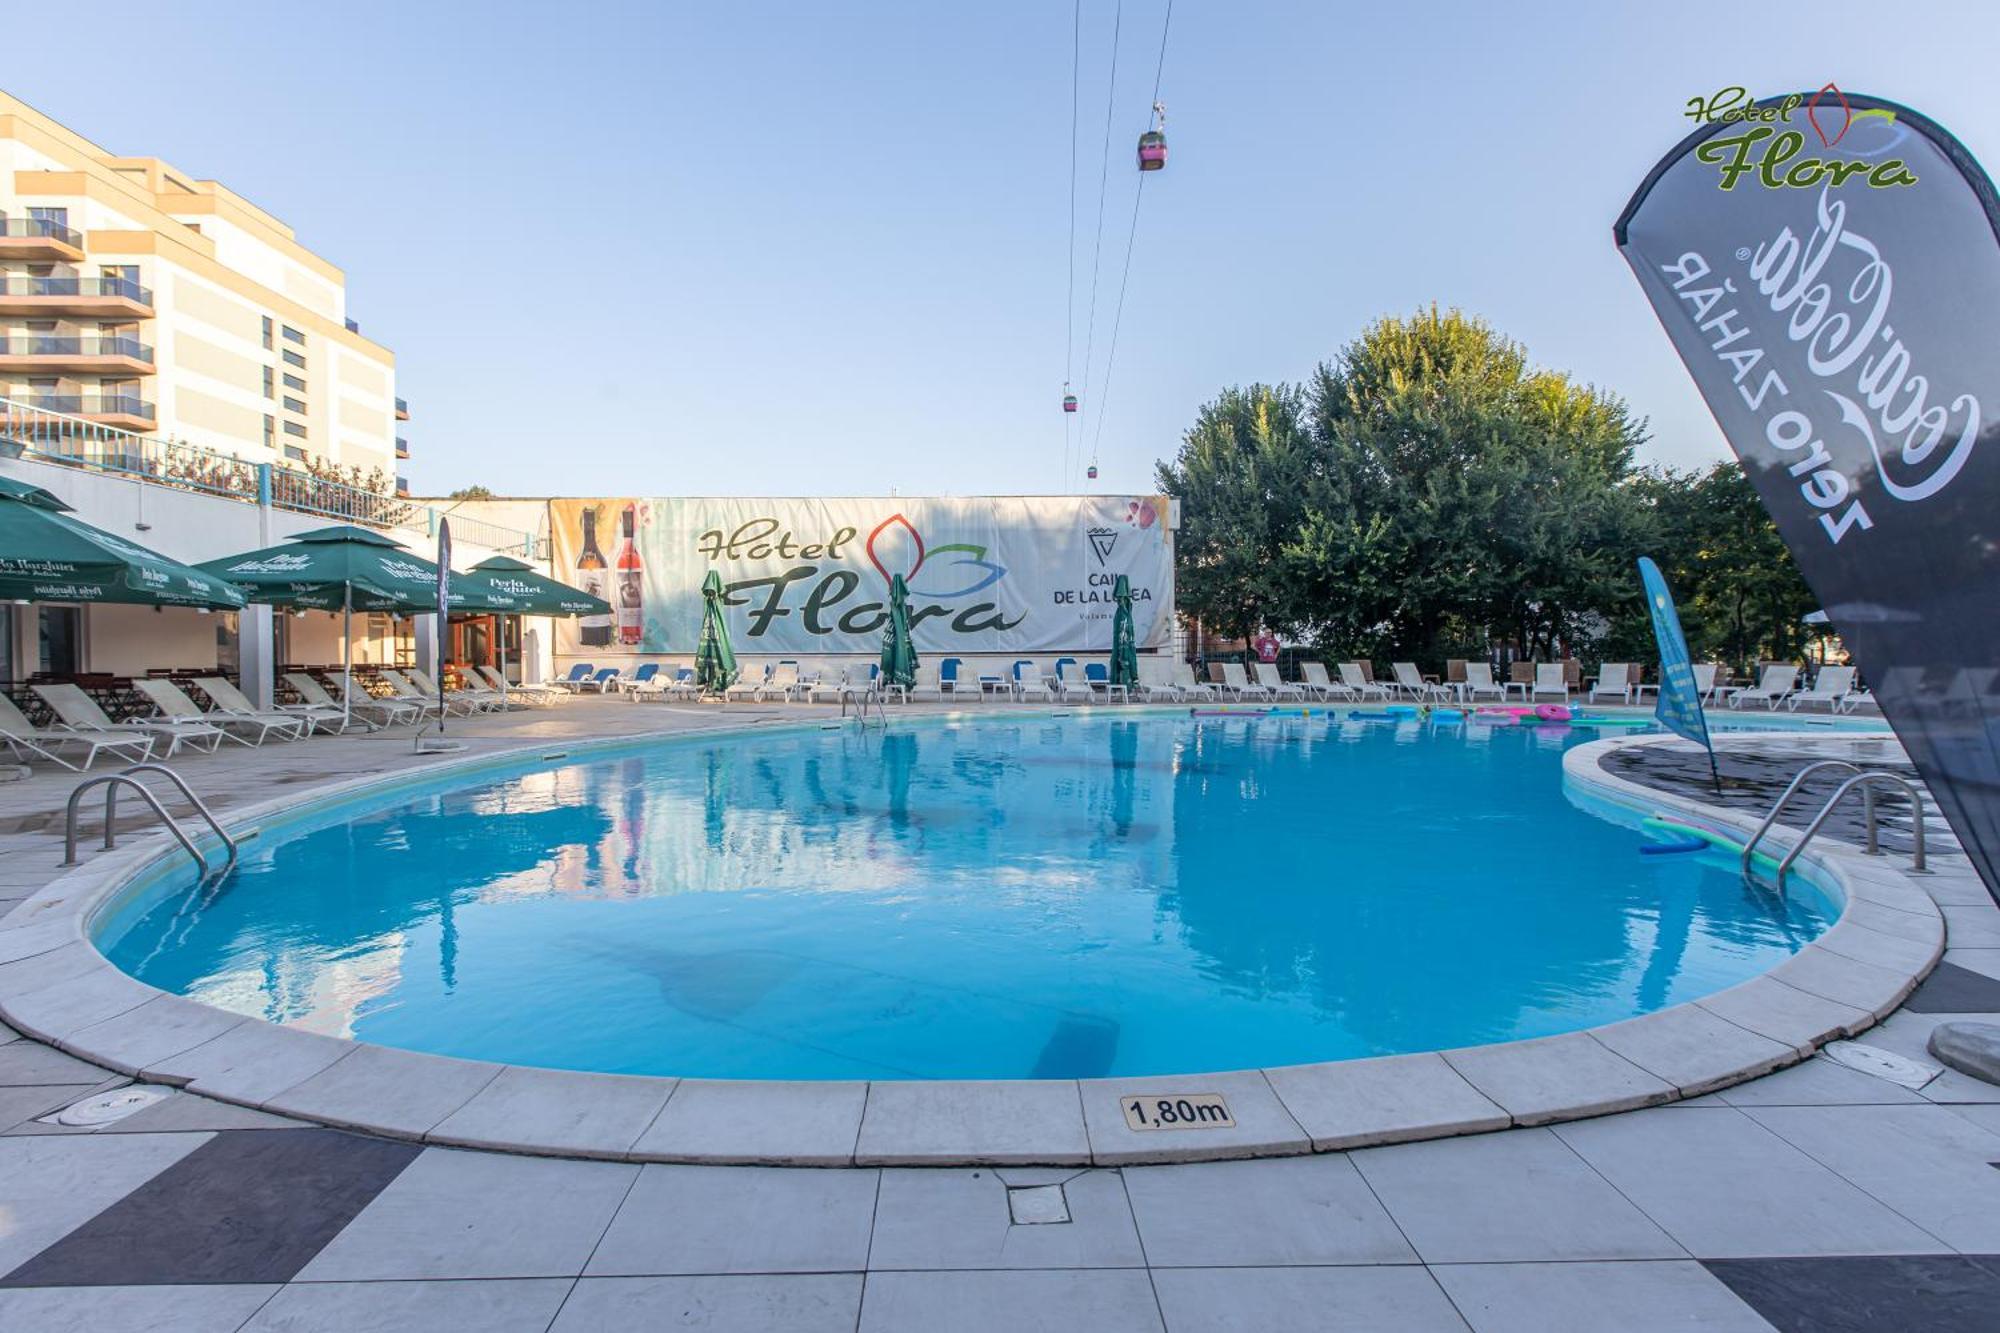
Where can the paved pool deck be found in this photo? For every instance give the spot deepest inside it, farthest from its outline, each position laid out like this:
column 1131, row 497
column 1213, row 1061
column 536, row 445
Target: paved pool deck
column 1816, row 1197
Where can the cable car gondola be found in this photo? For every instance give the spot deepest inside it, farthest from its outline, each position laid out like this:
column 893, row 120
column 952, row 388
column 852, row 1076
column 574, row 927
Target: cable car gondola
column 1153, row 143
column 1091, row 472
column 1069, row 401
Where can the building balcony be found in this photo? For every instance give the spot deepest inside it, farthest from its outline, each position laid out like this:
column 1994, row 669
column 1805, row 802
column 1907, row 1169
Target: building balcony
column 402, row 447
column 402, row 485
column 402, row 410
column 125, row 410
column 86, row 353
column 59, row 294
column 39, row 241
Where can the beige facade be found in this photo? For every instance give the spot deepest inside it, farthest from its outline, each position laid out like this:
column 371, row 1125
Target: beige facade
column 136, row 296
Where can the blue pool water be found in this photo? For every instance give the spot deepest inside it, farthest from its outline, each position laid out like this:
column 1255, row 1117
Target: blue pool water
column 1021, row 896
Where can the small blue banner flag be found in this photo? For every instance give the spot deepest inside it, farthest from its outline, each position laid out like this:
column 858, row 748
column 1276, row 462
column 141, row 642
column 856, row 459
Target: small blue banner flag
column 1679, row 709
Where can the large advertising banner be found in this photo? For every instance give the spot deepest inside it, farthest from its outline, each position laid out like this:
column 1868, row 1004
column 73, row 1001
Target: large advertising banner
column 1828, row 266
column 986, row 574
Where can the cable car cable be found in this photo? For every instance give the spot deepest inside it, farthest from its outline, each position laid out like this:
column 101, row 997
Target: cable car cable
column 1131, row 235
column 1103, row 181
column 1069, row 295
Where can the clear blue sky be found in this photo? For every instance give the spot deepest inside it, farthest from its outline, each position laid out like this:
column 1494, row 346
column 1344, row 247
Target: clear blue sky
column 819, row 248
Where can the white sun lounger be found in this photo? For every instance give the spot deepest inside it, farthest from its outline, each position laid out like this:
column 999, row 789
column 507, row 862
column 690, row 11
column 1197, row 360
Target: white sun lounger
column 1268, row 677
column 228, row 699
column 1831, row 687
column 25, row 738
column 1235, row 681
column 1479, row 682
column 77, row 711
column 1550, row 678
column 1773, row 688
column 1614, row 681
column 248, row 729
column 1412, row 681
column 391, row 710
column 1356, row 680
column 1189, row 687
column 1315, row 681
column 1029, row 680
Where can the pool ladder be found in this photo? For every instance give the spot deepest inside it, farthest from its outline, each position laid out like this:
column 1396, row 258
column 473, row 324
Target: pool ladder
column 868, row 700
column 111, row 782
column 1864, row 778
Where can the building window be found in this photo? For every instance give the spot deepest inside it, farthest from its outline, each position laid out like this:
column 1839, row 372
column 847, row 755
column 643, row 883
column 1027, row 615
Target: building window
column 294, row 382
column 270, row 431
column 293, row 358
column 270, row 383
column 293, row 404
column 267, row 333
column 61, row 649
column 294, row 428
column 296, row 454
column 292, row 335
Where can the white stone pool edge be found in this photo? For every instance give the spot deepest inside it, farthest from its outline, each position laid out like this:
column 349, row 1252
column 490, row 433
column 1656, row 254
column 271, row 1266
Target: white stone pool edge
column 55, row 986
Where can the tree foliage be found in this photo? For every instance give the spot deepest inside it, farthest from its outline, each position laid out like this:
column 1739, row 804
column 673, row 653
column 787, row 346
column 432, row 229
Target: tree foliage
column 1429, row 493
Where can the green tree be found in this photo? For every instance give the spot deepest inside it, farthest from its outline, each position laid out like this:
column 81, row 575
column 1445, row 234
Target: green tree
column 471, row 493
column 1239, row 478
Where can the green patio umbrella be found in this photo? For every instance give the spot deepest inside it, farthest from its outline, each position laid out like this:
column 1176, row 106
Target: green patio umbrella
column 899, row 655
column 46, row 555
column 500, row 583
column 342, row 568
column 714, row 659
column 1124, row 642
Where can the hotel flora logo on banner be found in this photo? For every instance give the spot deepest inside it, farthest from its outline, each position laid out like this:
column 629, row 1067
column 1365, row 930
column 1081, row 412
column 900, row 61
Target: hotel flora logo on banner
column 985, row 575
column 1766, row 142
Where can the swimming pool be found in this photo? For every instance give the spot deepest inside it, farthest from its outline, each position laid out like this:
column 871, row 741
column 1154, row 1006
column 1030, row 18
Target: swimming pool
column 1114, row 892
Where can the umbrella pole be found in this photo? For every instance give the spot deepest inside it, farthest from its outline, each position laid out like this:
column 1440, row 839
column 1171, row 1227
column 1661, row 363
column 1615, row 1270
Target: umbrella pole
column 347, row 656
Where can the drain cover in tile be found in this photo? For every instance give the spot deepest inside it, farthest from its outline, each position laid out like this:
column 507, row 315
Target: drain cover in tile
column 1898, row 1069
column 1037, row 1205
column 107, row 1108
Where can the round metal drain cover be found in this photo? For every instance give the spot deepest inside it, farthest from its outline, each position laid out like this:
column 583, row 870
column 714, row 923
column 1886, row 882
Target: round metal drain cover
column 110, row 1107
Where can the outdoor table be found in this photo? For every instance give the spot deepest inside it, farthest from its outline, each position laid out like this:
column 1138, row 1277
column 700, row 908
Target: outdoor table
column 994, row 685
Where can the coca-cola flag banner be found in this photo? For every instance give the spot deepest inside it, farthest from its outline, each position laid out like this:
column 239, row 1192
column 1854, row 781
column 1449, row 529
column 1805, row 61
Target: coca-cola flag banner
column 1009, row 574
column 1828, row 266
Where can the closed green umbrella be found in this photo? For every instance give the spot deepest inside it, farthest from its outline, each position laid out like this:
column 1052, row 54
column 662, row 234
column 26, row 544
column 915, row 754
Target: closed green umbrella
column 46, row 555
column 714, row 660
column 899, row 655
column 500, row 583
column 1124, row 642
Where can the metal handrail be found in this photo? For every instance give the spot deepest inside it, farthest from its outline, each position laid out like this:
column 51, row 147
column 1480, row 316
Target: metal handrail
column 129, row 778
column 1918, row 864
column 1772, row 818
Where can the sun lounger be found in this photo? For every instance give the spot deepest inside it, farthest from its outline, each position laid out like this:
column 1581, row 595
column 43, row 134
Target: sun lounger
column 1314, row 681
column 1071, row 683
column 1236, row 682
column 228, row 699
column 1831, row 687
column 26, row 739
column 1479, row 683
column 391, row 711
column 1614, row 681
column 1772, row 688
column 476, row 701
column 1028, row 680
column 1356, row 680
column 77, row 711
column 1097, row 680
column 1550, row 678
column 1189, row 687
column 578, row 674
column 1411, row 682
column 249, row 729
column 1280, row 688
column 317, row 699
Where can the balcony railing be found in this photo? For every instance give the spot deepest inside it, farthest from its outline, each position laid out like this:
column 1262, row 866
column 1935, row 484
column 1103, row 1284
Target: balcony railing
column 86, row 404
column 68, row 345
column 57, row 284
column 30, row 430
column 402, row 447
column 42, row 229
column 402, row 410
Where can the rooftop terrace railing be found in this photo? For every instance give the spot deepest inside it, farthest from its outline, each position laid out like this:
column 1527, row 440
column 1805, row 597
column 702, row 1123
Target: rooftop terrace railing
column 30, row 430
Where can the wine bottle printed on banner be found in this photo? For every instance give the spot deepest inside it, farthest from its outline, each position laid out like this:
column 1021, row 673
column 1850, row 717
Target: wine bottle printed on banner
column 630, row 604
column 593, row 577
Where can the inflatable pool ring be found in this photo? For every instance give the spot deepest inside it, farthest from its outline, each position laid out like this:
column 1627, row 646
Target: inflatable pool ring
column 1552, row 713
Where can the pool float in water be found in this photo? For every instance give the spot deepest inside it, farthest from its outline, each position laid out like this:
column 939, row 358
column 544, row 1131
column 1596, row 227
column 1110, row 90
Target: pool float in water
column 1711, row 837
column 1496, row 717
column 1447, row 715
column 1552, row 713
column 1685, row 844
